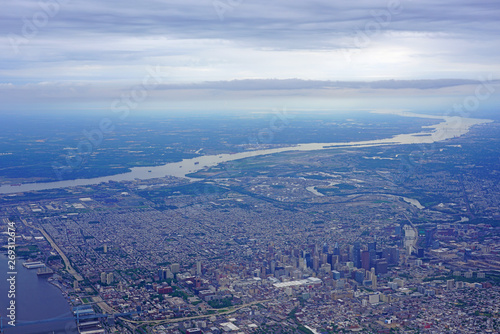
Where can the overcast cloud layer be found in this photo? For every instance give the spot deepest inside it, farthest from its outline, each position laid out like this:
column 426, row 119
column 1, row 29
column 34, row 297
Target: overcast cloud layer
column 57, row 52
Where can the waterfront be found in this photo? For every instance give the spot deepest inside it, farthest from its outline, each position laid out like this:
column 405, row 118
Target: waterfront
column 36, row 299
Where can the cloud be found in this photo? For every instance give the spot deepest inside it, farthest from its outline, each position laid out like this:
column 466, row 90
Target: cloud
column 214, row 92
column 290, row 84
column 324, row 44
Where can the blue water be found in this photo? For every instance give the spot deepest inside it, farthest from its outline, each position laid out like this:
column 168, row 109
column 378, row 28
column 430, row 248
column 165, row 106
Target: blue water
column 36, row 299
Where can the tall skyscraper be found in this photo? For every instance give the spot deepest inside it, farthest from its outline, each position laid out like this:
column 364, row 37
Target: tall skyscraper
column 373, row 257
column 372, row 246
column 394, row 255
column 373, row 278
column 309, row 261
column 316, row 263
column 109, row 278
column 356, row 254
column 324, row 258
column 365, row 260
column 391, row 254
column 336, row 249
column 302, row 263
column 198, row 268
column 381, row 267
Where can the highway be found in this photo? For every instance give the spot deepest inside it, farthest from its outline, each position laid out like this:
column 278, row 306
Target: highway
column 67, row 264
column 104, row 307
column 166, row 321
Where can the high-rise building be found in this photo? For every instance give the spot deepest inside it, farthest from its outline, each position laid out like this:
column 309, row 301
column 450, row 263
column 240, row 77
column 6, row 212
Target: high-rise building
column 109, row 278
column 373, row 257
column 316, row 263
column 374, row 298
column 324, row 258
column 103, row 277
column 329, row 259
column 198, row 268
column 273, row 266
column 373, row 278
column 429, row 237
column 336, row 274
column 356, row 254
column 397, row 230
column 344, row 257
column 381, row 267
column 164, row 273
column 325, row 268
column 467, row 254
column 372, row 246
column 308, row 259
column 365, row 260
column 175, row 268
column 391, row 254
column 336, row 249
column 450, row 284
column 288, row 271
column 359, row 276
column 394, row 255
column 279, row 271
column 302, row 263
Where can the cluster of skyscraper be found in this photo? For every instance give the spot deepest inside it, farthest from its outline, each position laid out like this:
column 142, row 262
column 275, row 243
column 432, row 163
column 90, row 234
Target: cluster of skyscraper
column 329, row 260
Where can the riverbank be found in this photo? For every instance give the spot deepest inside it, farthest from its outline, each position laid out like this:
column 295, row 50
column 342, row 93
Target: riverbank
column 450, row 127
column 36, row 300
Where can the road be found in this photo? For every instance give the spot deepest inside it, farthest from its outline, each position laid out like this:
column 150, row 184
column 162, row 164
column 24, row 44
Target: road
column 67, row 264
column 166, row 321
column 104, row 307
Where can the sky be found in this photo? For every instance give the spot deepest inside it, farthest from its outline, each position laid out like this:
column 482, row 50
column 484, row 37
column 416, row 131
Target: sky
column 97, row 56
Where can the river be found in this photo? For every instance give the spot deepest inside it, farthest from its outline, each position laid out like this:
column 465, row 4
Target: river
column 450, row 127
column 35, row 299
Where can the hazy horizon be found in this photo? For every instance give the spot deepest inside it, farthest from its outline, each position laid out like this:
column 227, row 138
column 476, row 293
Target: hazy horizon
column 240, row 55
